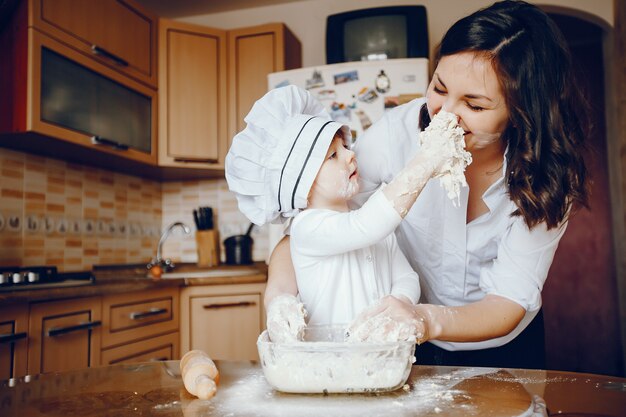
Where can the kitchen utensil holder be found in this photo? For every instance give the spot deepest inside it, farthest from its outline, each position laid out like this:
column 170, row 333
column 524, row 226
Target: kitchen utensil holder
column 208, row 247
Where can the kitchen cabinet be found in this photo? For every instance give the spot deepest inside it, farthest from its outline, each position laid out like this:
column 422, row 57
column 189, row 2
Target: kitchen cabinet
column 117, row 33
column 253, row 53
column 208, row 81
column 13, row 340
column 222, row 320
column 64, row 335
column 62, row 102
column 192, row 96
column 140, row 325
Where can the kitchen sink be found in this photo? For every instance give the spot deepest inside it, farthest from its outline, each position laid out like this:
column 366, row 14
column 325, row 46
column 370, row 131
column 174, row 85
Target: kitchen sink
column 210, row 273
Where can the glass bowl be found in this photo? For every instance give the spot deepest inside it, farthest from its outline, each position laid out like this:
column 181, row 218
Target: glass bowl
column 326, row 363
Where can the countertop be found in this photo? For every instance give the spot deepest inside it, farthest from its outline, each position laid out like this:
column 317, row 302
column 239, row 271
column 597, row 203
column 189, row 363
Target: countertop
column 126, row 278
column 156, row 389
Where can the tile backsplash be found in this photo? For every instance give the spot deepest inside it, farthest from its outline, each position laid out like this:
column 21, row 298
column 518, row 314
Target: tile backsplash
column 75, row 216
column 179, row 201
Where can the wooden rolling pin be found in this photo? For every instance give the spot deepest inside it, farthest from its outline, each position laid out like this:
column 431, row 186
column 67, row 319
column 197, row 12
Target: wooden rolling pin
column 199, row 373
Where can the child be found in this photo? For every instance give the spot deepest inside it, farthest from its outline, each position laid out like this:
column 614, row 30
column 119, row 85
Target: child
column 293, row 161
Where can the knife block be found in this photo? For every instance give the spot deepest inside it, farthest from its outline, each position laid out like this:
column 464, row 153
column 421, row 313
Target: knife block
column 208, row 247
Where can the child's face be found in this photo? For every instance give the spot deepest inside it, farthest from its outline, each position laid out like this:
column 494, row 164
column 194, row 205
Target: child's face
column 337, row 179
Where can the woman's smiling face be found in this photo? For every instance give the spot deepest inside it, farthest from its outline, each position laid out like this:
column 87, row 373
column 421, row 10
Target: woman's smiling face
column 467, row 85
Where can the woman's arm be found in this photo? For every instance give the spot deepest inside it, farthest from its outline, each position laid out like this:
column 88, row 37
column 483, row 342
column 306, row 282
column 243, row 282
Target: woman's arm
column 489, row 318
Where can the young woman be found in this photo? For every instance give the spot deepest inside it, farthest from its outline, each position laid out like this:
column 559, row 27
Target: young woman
column 505, row 71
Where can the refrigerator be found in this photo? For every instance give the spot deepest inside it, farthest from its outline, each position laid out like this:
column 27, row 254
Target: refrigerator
column 358, row 93
column 355, row 93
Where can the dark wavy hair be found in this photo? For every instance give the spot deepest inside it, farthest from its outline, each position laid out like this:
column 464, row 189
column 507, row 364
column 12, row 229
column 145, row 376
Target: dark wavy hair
column 547, row 126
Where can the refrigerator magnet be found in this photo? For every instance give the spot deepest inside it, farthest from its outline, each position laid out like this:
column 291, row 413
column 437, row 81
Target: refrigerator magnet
column 367, row 95
column 345, row 77
column 383, row 84
column 315, row 81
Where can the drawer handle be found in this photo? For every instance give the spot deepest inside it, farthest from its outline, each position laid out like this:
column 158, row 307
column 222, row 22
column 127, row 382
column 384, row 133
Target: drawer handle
column 98, row 50
column 138, row 315
column 228, row 305
column 196, row 160
column 161, row 359
column 56, row 331
column 12, row 337
column 98, row 140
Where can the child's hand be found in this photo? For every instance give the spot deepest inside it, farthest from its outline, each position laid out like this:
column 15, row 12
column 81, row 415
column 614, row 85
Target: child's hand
column 391, row 319
column 285, row 319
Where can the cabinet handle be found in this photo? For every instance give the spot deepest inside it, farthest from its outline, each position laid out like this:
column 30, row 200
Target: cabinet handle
column 161, row 359
column 56, row 331
column 12, row 337
column 98, row 50
column 196, row 160
column 228, row 305
column 98, row 140
column 138, row 315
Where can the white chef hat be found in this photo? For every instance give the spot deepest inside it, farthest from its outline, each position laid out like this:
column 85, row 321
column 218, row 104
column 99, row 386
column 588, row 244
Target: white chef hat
column 272, row 163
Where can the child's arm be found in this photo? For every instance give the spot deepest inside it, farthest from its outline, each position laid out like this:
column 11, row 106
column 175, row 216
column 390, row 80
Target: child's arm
column 442, row 154
column 285, row 313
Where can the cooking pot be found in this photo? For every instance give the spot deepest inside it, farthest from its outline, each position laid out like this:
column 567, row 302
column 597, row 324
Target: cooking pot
column 239, row 248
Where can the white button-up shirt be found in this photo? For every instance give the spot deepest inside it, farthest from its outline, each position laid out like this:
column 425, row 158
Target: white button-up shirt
column 458, row 263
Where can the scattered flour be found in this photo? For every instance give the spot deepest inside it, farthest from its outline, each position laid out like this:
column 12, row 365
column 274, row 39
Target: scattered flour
column 427, row 395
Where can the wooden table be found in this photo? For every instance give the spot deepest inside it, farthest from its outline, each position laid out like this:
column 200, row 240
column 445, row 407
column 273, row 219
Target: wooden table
column 156, row 389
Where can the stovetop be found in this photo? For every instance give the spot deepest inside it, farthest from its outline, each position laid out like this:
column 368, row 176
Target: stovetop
column 15, row 278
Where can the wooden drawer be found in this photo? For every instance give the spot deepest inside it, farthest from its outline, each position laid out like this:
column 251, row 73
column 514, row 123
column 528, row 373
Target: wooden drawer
column 160, row 348
column 135, row 316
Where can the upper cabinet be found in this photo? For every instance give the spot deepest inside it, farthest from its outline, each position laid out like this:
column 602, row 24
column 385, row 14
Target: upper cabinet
column 81, row 106
column 208, row 81
column 117, row 33
column 253, row 53
column 192, row 96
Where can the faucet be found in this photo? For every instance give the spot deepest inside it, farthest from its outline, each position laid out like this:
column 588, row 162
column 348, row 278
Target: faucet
column 166, row 264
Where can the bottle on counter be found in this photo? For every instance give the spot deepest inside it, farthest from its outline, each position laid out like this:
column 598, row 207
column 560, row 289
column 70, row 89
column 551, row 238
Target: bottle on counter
column 199, row 373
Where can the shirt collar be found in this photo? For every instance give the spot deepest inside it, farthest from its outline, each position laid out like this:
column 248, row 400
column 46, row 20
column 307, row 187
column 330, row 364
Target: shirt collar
column 495, row 191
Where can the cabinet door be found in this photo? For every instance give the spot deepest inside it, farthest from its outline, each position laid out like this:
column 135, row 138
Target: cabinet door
column 192, row 96
column 118, row 33
column 253, row 53
column 226, row 326
column 13, row 340
column 75, row 99
column 65, row 335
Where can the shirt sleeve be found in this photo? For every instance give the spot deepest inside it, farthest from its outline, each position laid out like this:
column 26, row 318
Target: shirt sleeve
column 404, row 280
column 522, row 263
column 316, row 232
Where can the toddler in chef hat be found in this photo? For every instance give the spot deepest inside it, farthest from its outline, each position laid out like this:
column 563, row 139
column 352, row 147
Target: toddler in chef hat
column 293, row 162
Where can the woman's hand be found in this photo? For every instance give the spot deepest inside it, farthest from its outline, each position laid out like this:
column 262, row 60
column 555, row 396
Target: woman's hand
column 391, row 319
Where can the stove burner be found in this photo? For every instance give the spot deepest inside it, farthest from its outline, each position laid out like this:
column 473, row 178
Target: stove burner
column 14, row 278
